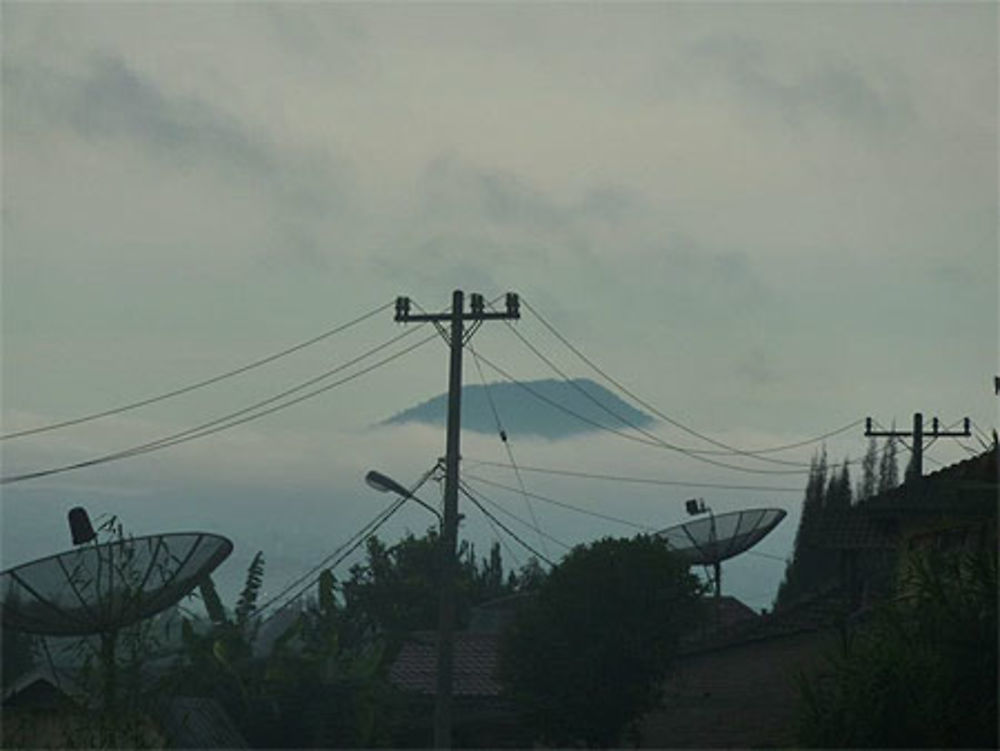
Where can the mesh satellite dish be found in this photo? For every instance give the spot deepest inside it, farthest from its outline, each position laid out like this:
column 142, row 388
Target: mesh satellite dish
column 100, row 588
column 709, row 541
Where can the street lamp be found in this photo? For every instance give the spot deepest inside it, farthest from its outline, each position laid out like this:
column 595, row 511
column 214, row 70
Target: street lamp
column 385, row 484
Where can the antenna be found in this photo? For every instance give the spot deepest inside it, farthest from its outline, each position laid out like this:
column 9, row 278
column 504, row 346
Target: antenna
column 708, row 542
column 99, row 588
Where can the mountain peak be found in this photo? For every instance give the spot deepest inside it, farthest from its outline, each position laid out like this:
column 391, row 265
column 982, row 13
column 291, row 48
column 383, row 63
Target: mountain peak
column 545, row 408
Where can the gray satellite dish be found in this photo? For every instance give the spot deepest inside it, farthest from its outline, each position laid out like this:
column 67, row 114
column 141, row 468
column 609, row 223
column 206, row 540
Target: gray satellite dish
column 710, row 540
column 98, row 589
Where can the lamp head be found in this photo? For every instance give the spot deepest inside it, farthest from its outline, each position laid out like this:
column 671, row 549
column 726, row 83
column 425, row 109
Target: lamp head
column 385, row 484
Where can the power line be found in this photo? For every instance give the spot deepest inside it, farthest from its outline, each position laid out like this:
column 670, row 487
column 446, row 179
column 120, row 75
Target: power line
column 499, row 507
column 503, row 526
column 510, row 454
column 379, row 519
column 366, row 531
column 563, row 504
column 577, row 387
column 666, row 418
column 658, row 443
column 199, row 384
column 642, row 527
column 641, row 480
column 226, row 422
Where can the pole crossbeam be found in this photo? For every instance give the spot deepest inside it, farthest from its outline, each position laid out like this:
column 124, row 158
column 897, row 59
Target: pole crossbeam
column 918, row 434
column 456, row 317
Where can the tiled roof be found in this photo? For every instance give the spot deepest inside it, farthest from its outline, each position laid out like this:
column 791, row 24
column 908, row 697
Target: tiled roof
column 814, row 613
column 474, row 664
column 853, row 529
column 968, row 486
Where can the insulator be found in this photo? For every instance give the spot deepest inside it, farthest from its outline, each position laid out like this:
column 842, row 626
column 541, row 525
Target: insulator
column 513, row 305
column 402, row 308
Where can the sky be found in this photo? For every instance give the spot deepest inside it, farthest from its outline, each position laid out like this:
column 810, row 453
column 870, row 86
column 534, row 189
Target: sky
column 768, row 220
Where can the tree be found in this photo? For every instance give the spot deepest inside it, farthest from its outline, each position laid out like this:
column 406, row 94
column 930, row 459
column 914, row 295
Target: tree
column 811, row 567
column 395, row 590
column 869, row 467
column 922, row 673
column 838, row 491
column 585, row 658
column 888, row 470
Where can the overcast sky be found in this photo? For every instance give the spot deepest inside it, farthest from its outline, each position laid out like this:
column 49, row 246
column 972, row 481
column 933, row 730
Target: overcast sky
column 767, row 220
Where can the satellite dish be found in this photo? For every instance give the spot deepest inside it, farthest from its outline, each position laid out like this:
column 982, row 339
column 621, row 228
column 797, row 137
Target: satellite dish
column 98, row 589
column 711, row 540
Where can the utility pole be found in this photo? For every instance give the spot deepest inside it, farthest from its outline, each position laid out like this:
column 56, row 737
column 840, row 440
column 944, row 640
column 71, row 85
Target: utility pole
column 918, row 435
column 449, row 532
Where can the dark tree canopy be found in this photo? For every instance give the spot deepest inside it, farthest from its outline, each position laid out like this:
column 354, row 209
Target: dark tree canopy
column 922, row 672
column 587, row 656
column 395, row 589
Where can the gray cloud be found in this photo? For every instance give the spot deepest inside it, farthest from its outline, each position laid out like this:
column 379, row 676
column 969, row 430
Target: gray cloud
column 503, row 198
column 110, row 102
column 833, row 89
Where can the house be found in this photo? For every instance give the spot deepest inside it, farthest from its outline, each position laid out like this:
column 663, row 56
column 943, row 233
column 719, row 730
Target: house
column 952, row 509
column 738, row 685
column 481, row 716
column 40, row 710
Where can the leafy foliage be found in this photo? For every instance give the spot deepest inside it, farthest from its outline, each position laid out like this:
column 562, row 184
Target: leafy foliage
column 323, row 682
column 251, row 588
column 888, row 469
column 395, row 590
column 586, row 657
column 923, row 672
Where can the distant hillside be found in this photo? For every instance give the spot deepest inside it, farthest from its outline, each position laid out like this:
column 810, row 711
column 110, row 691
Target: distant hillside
column 522, row 413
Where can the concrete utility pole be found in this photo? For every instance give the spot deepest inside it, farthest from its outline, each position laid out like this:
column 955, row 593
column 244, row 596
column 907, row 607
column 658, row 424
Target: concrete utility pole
column 918, row 439
column 449, row 532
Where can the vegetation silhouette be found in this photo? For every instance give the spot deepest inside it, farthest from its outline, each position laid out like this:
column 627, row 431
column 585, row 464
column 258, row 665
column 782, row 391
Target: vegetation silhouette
column 586, row 656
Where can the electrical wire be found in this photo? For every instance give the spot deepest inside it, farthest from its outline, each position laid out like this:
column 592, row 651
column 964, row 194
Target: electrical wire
column 659, row 443
column 358, row 536
column 562, row 504
column 984, row 438
column 729, row 449
column 506, row 443
column 503, row 526
column 226, row 422
column 631, row 424
column 365, row 532
column 199, row 384
column 499, row 507
column 640, row 480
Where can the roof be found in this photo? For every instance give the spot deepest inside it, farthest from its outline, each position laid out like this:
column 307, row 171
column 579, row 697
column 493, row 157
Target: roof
column 810, row 614
column 968, row 488
column 474, row 666
column 196, row 722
